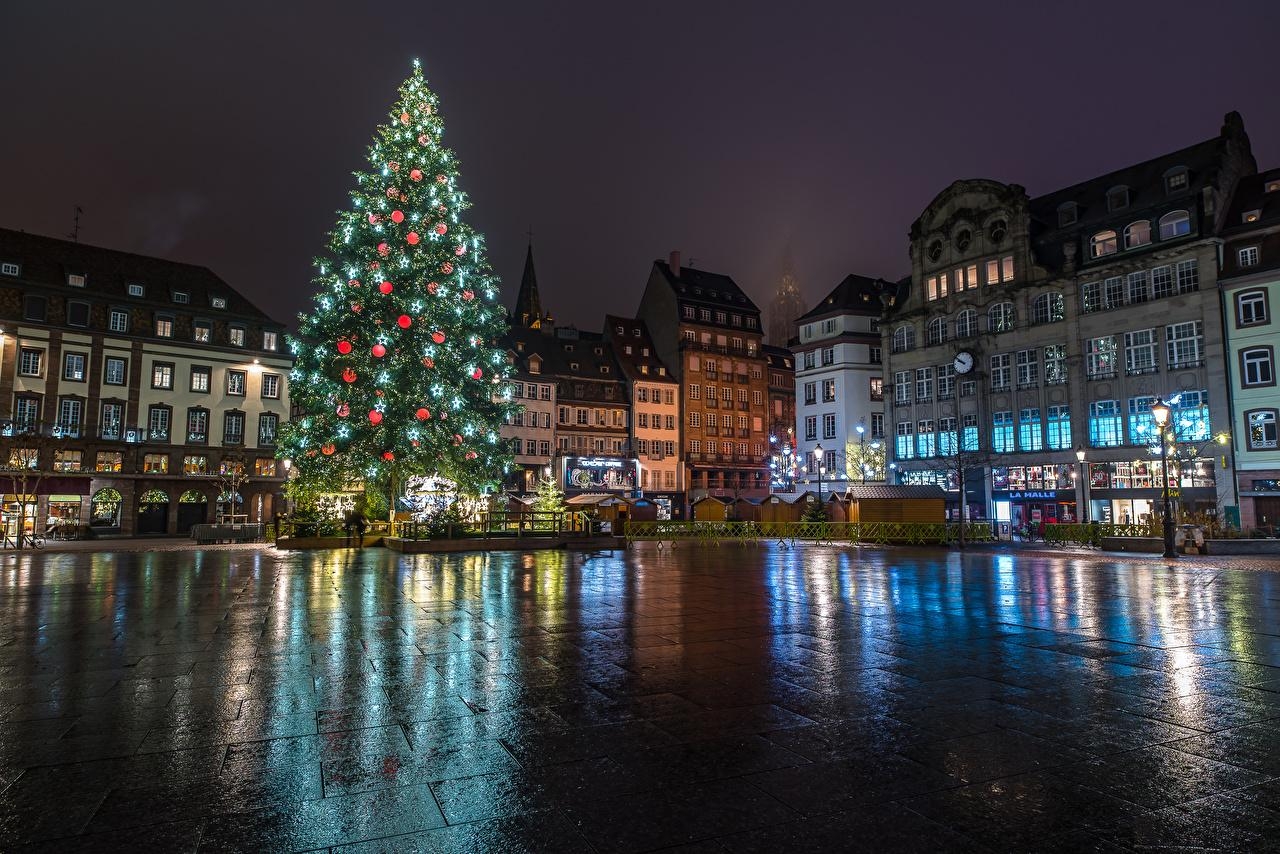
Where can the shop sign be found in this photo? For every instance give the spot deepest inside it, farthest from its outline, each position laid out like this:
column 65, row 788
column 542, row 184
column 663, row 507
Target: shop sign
column 605, row 474
column 1032, row 495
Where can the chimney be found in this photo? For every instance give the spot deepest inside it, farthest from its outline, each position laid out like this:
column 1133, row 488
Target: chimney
column 674, row 263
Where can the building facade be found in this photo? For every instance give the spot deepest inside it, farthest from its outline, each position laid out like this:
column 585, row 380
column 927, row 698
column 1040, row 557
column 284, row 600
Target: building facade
column 530, row 343
column 1250, row 284
column 1033, row 329
column 707, row 332
column 654, row 395
column 780, row 368
column 144, row 383
column 593, row 451
column 839, row 387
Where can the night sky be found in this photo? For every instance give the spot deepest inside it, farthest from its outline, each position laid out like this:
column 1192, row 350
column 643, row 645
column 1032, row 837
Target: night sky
column 735, row 132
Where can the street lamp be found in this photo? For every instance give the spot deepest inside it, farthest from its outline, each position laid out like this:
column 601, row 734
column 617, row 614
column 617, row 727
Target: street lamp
column 1084, row 479
column 817, row 463
column 1160, row 412
column 862, row 452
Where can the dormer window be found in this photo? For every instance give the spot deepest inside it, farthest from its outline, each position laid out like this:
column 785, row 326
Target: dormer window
column 76, row 280
column 1067, row 214
column 1175, row 224
column 1102, row 243
column 519, row 346
column 1272, row 187
column 1137, row 234
column 218, row 302
column 535, row 365
column 573, row 366
column 619, row 330
column 136, row 290
column 1251, row 216
column 181, row 297
column 636, row 332
column 604, row 369
column 1175, row 179
column 1117, row 198
column 9, row 268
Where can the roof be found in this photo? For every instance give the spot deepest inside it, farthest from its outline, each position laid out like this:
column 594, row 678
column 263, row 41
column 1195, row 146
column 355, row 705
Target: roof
column 779, row 357
column 49, row 261
column 528, row 311
column 1251, row 195
column 706, row 288
column 858, row 492
column 635, row 334
column 855, row 294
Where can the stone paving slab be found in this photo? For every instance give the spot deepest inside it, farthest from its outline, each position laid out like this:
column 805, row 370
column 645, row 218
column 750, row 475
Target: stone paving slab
column 684, row 700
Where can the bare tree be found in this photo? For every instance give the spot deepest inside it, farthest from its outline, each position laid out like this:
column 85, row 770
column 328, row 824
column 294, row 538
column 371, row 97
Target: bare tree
column 232, row 477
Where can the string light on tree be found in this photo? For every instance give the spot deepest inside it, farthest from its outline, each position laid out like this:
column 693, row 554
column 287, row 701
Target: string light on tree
column 404, row 339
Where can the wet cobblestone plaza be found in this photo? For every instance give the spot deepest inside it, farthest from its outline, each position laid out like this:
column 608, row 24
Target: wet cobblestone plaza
column 697, row 700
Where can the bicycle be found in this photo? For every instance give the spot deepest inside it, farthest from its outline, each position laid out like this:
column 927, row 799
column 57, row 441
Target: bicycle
column 35, row 541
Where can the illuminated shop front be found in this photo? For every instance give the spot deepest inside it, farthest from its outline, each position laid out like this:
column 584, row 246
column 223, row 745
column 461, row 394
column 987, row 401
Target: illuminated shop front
column 1031, row 495
column 1129, row 493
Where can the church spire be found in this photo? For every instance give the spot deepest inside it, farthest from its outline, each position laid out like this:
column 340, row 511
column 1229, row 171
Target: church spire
column 528, row 304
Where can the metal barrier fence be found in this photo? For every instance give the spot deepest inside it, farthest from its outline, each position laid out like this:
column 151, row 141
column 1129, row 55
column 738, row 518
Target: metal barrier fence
column 1092, row 533
column 888, row 533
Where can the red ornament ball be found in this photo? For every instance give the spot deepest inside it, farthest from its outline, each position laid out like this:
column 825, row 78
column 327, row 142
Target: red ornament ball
column 356, row 307
column 477, row 374
column 423, row 413
column 393, row 193
column 384, row 250
column 397, row 216
column 457, row 438
column 403, row 321
column 404, row 118
column 378, row 392
column 375, row 417
column 385, row 287
column 378, row 351
column 343, row 410
column 428, row 362
column 395, row 167
column 432, row 287
column 441, row 228
column 423, row 139
column 388, row 456
column 412, row 238
column 344, row 346
column 355, row 283
column 415, row 174
column 414, row 442
column 374, row 219
column 327, row 449
column 471, row 455
column 460, row 250
column 446, row 268
column 348, row 375
column 437, row 337
column 440, row 179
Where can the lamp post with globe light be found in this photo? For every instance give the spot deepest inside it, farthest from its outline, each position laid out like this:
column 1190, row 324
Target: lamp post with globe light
column 1160, row 412
column 1084, row 480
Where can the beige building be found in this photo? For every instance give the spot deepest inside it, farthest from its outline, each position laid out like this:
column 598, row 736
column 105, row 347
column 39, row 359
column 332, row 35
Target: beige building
column 1034, row 329
column 139, row 384
column 1250, row 288
column 655, row 413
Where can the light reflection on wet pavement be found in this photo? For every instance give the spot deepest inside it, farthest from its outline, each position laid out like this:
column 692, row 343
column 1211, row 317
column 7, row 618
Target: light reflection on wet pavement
column 733, row 699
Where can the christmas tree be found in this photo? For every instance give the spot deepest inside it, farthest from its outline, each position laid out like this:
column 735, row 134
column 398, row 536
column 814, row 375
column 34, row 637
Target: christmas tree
column 397, row 368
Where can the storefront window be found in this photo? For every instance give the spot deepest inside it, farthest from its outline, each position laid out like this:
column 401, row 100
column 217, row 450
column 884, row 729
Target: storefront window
column 105, row 509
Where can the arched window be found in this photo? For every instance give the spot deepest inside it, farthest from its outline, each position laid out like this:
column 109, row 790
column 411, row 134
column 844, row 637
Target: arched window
column 154, row 496
column 997, row 231
column 967, row 323
column 1102, row 243
column 1137, row 234
column 1000, row 317
column 1174, row 224
column 193, row 496
column 937, row 332
column 904, row 338
column 105, row 508
column 1048, row 308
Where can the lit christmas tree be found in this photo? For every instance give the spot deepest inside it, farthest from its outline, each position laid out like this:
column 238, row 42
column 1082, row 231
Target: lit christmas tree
column 397, row 369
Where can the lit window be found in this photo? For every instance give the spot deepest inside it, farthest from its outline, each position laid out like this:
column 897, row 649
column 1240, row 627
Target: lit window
column 155, row 464
column 1048, row 308
column 236, row 381
column 75, row 280
column 202, row 332
column 966, row 324
column 1002, row 432
column 1106, row 425
column 113, row 371
column 1000, row 317
column 1175, row 224
column 235, row 336
column 164, row 326
column 1102, row 243
column 1137, row 234
column 1262, row 429
column 161, row 375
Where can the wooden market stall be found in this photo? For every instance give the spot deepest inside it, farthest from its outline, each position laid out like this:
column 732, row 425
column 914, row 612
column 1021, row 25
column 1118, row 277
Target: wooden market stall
column 878, row 502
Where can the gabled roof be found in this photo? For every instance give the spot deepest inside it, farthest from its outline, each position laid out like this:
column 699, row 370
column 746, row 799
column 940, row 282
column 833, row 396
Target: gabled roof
column 49, row 261
column 1251, row 195
column 854, row 295
column 779, row 357
column 703, row 287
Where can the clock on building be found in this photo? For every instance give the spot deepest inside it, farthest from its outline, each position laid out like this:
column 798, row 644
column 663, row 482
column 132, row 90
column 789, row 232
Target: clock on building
column 963, row 362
